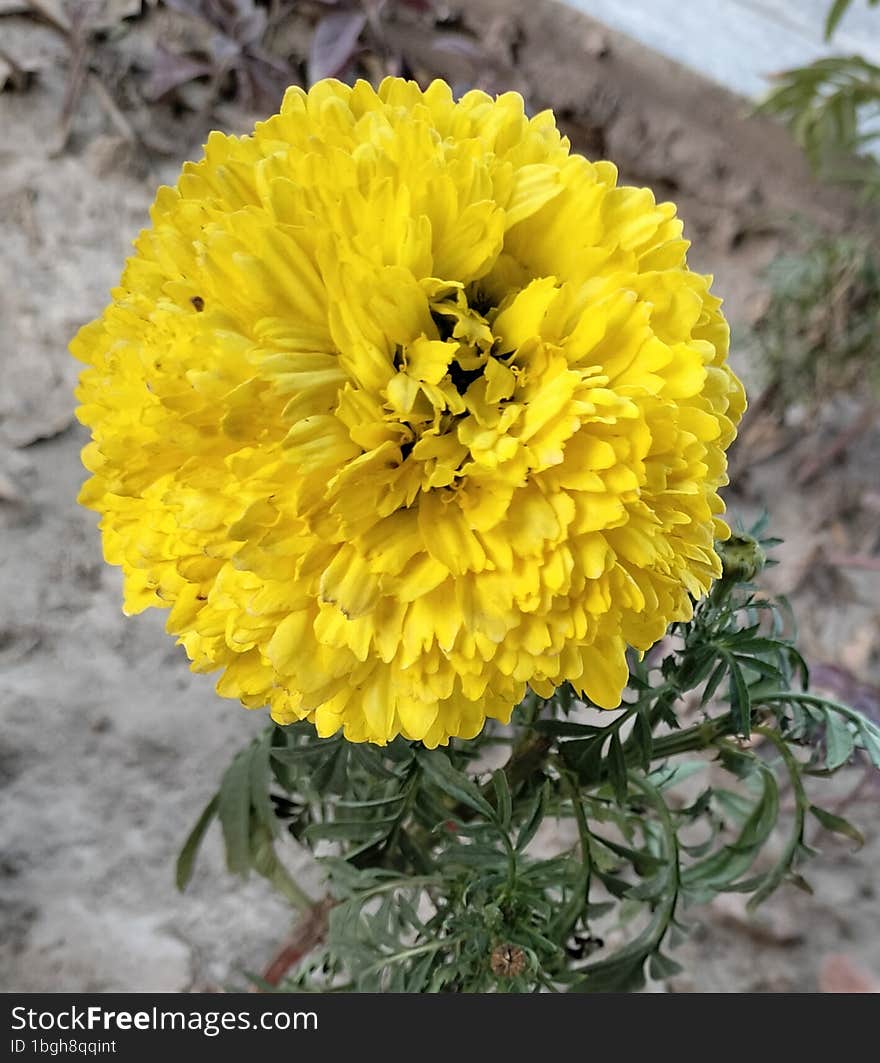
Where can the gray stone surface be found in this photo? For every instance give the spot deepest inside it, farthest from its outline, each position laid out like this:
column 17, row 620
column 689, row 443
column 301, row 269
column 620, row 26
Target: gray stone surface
column 739, row 43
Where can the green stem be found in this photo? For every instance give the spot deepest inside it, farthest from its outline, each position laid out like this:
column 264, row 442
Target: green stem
column 700, row 736
column 527, row 757
column 586, row 841
column 511, row 863
column 801, row 698
column 786, row 861
column 407, row 954
column 651, row 938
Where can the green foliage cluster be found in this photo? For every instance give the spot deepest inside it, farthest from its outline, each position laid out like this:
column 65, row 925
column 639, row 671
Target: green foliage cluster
column 832, row 107
column 440, row 863
column 819, row 332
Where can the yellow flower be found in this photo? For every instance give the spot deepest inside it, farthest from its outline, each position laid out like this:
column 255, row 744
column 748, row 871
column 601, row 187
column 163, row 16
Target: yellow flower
column 400, row 406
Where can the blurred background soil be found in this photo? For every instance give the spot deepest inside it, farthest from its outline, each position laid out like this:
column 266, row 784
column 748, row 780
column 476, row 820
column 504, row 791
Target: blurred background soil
column 109, row 747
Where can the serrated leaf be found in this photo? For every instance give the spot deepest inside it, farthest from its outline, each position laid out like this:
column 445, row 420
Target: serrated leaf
column 870, row 735
column 733, row 804
column 439, row 769
column 503, row 800
column 533, row 819
column 296, row 755
column 643, row 862
column 797, row 880
column 187, row 857
column 661, row 967
column 762, row 667
column 714, row 681
column 643, row 740
column 350, row 829
column 838, row 825
column 740, row 702
column 617, row 769
column 625, row 977
column 476, row 856
column 330, row 774
column 418, row 974
column 566, row 728
column 371, row 761
column 665, row 776
column 723, row 867
column 650, row 889
column 565, row 697
column 584, row 756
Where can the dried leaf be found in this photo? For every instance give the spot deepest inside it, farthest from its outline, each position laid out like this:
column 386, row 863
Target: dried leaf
column 336, row 37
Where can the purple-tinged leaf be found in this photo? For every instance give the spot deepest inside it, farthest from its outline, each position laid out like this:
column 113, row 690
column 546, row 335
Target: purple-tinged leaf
column 186, row 7
column 336, row 37
column 459, row 44
column 170, row 71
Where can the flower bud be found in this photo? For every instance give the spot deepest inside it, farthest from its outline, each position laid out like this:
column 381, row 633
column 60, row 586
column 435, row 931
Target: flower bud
column 741, row 558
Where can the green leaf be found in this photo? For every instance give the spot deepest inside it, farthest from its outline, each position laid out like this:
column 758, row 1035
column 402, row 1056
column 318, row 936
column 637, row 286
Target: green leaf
column 265, row 862
column 650, row 889
column 533, row 818
column 660, row 967
column 625, row 975
column 838, row 825
column 799, row 882
column 762, row 667
column 350, row 829
column 794, row 847
column 234, row 810
column 503, row 800
column 722, row 868
column 418, row 974
column 438, row 768
column 643, row 740
column 378, row 802
column 839, row 742
column 666, row 776
column 733, row 804
column 566, row 728
column 835, row 14
column 260, row 780
column 295, row 755
column 617, row 769
column 371, row 761
column 643, row 862
column 331, row 773
column 740, row 702
column 187, row 858
column 714, row 681
column 870, row 735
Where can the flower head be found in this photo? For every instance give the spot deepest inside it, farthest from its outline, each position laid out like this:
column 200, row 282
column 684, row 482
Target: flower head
column 400, row 406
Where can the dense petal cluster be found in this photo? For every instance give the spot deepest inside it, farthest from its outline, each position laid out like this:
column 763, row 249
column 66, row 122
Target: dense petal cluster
column 400, row 406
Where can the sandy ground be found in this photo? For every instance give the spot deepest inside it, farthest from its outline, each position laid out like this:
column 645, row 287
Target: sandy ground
column 109, row 747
